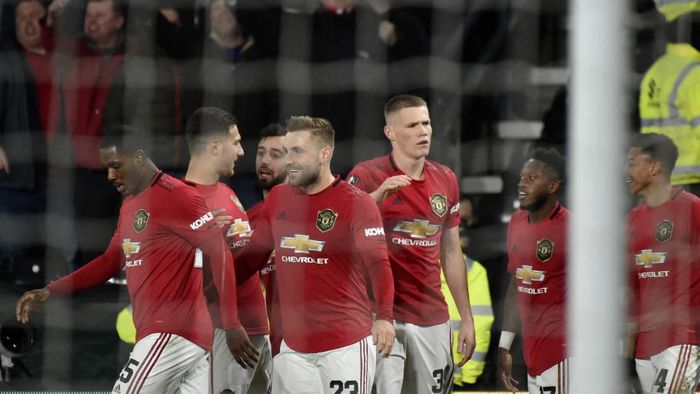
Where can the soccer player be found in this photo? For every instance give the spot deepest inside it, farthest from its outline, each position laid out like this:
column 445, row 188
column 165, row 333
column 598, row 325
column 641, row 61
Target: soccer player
column 419, row 202
column 161, row 222
column 214, row 142
column 664, row 261
column 271, row 170
column 327, row 238
column 536, row 296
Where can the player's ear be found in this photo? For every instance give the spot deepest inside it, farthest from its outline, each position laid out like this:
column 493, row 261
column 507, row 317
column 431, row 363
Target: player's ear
column 139, row 158
column 656, row 167
column 389, row 132
column 554, row 186
column 326, row 154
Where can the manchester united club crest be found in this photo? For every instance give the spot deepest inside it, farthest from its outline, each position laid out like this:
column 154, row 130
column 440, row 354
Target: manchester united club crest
column 664, row 231
column 439, row 204
column 325, row 220
column 545, row 248
column 237, row 202
column 140, row 220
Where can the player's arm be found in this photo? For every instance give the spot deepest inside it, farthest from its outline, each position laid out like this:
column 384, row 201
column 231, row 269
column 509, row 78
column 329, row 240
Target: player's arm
column 370, row 244
column 456, row 276
column 511, row 325
column 359, row 177
column 88, row 276
column 253, row 257
column 193, row 221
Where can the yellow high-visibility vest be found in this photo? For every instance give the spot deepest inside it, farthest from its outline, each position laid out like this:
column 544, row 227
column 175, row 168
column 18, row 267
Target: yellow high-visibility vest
column 672, row 9
column 669, row 104
column 480, row 298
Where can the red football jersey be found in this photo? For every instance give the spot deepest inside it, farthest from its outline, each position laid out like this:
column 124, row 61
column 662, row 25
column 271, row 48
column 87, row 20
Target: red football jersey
column 251, row 306
column 155, row 243
column 664, row 255
column 268, row 277
column 324, row 245
column 414, row 218
column 537, row 260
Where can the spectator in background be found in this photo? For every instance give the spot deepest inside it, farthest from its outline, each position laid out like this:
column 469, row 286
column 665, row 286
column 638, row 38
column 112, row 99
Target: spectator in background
column 668, row 102
column 25, row 91
column 349, row 44
column 143, row 94
column 98, row 58
column 225, row 71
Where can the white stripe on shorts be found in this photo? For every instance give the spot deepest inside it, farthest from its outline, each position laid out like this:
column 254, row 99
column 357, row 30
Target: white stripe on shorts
column 149, row 362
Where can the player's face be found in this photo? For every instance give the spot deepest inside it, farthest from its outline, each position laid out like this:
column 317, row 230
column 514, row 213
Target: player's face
column 535, row 185
column 270, row 162
column 28, row 17
column 303, row 158
column 640, row 169
column 120, row 171
column 231, row 150
column 410, row 130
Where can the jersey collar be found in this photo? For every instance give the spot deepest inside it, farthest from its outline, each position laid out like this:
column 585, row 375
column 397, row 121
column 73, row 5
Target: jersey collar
column 684, row 50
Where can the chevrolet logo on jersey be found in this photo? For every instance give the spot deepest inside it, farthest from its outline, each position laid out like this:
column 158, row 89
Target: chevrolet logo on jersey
column 240, row 228
column 130, row 248
column 647, row 258
column 417, row 228
column 528, row 275
column 301, row 244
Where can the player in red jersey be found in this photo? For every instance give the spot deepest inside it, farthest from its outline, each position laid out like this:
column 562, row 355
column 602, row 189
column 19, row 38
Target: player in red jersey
column 328, row 239
column 161, row 222
column 536, row 297
column 419, row 203
column 271, row 170
column 215, row 144
column 664, row 263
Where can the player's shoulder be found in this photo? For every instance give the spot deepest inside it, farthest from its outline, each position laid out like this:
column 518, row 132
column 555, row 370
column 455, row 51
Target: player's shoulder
column 278, row 191
column 379, row 164
column 174, row 191
column 518, row 217
column 351, row 191
column 439, row 171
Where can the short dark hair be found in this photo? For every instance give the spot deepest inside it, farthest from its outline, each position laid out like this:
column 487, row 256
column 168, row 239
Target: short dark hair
column 659, row 147
column 402, row 101
column 205, row 123
column 126, row 139
column 272, row 130
column 321, row 129
column 552, row 160
column 119, row 7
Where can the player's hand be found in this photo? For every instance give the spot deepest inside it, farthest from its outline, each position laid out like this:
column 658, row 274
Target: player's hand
column 505, row 366
column 466, row 341
column 29, row 302
column 389, row 186
column 383, row 336
column 55, row 10
column 243, row 350
column 221, row 219
column 4, row 163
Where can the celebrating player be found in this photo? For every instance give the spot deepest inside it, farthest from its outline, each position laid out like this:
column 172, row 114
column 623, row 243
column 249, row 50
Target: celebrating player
column 537, row 260
column 327, row 238
column 664, row 254
column 271, row 170
column 161, row 222
column 215, row 144
column 419, row 202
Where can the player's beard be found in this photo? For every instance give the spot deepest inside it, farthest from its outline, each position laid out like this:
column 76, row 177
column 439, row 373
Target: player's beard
column 272, row 182
column 535, row 205
column 306, row 177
